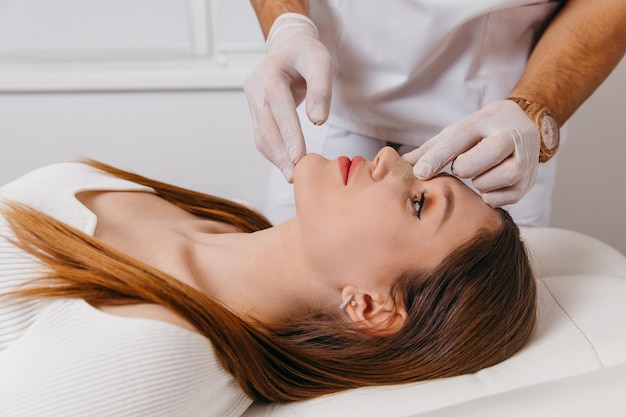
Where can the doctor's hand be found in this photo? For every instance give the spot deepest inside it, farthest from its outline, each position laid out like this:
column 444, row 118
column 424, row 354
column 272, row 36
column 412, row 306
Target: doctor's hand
column 497, row 147
column 296, row 66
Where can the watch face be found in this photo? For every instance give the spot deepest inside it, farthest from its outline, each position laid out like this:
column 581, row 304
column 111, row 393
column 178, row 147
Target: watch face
column 549, row 131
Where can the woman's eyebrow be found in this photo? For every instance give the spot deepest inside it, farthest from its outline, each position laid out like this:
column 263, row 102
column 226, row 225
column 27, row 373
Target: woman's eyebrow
column 448, row 195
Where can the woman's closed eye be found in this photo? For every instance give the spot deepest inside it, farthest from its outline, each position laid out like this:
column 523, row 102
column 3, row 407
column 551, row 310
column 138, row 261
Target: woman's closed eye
column 418, row 203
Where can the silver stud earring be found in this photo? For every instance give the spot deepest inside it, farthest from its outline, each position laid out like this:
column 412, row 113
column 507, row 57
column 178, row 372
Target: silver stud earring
column 349, row 299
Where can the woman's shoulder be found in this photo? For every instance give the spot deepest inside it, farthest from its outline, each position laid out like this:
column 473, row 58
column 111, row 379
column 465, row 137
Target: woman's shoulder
column 47, row 171
column 66, row 175
column 52, row 189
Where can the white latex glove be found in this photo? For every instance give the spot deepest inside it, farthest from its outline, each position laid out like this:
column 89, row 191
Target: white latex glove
column 296, row 65
column 497, row 147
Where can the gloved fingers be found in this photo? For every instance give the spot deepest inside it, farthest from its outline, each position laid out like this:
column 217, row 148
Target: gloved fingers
column 268, row 141
column 498, row 196
column 483, row 156
column 281, row 143
column 507, row 182
column 281, row 105
column 502, row 196
column 505, row 175
column 319, row 81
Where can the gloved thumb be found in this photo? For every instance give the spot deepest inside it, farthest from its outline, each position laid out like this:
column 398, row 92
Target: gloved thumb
column 319, row 91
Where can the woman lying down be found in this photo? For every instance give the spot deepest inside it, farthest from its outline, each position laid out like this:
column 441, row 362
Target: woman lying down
column 126, row 296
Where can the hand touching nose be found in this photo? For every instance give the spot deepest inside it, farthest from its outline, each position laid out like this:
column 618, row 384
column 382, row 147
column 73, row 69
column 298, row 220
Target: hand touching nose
column 497, row 147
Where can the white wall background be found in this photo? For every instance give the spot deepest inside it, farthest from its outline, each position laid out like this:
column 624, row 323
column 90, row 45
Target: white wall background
column 590, row 194
column 150, row 85
column 154, row 86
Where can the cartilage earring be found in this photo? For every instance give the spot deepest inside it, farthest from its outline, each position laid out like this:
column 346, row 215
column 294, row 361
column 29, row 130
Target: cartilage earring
column 349, row 299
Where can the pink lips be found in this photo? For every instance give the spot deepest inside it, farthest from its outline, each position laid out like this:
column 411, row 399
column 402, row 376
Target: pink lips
column 347, row 166
column 344, row 167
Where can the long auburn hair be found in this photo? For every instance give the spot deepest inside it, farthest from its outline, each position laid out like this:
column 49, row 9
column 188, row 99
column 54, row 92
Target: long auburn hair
column 474, row 310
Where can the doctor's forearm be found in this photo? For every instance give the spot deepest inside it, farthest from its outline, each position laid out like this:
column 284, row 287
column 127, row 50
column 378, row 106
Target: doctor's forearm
column 268, row 10
column 578, row 50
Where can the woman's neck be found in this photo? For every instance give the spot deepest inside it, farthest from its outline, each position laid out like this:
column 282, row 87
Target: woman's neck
column 263, row 275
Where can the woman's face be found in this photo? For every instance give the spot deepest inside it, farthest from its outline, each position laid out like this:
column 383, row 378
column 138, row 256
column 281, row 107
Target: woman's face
column 373, row 220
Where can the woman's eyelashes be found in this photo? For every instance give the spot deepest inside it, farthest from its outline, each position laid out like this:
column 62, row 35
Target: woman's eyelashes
column 418, row 203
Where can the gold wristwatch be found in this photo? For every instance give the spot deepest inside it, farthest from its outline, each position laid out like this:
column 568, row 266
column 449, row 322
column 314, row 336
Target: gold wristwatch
column 549, row 132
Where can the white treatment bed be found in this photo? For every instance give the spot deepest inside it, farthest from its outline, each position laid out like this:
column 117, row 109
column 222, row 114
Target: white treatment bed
column 574, row 365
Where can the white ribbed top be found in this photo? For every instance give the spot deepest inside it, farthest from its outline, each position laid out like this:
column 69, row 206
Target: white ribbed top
column 67, row 358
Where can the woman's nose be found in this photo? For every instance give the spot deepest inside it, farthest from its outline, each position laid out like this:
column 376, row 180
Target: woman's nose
column 403, row 171
column 384, row 162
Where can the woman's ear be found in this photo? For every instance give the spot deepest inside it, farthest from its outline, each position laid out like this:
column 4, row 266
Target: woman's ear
column 373, row 313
